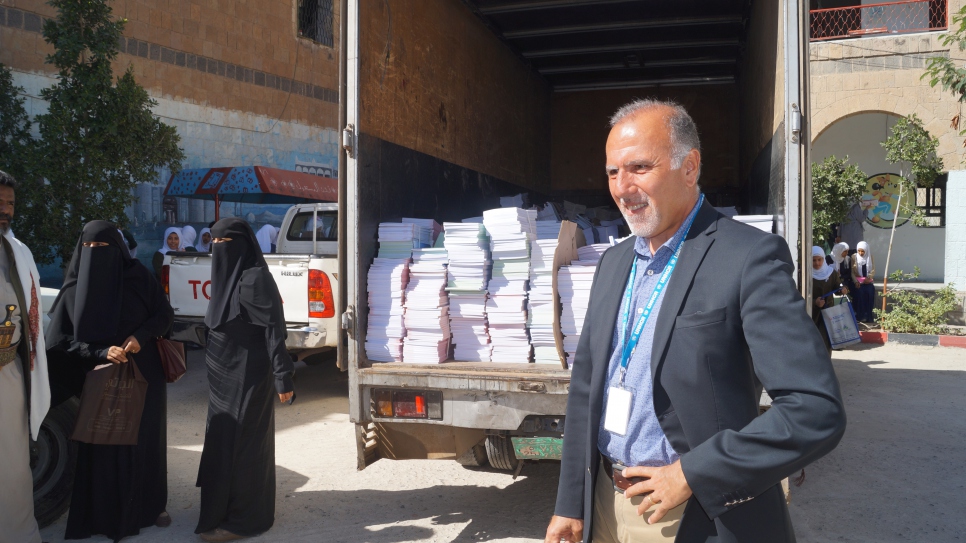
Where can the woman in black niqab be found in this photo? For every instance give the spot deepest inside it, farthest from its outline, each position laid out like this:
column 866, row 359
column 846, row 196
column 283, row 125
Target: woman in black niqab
column 247, row 365
column 111, row 307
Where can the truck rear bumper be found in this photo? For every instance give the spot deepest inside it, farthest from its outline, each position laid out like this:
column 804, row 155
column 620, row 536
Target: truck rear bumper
column 475, row 395
column 299, row 338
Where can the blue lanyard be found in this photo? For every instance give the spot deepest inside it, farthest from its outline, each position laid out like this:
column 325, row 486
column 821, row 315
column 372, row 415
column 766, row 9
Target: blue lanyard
column 628, row 349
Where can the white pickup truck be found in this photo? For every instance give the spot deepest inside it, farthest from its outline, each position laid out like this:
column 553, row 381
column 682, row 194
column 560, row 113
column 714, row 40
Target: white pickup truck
column 305, row 267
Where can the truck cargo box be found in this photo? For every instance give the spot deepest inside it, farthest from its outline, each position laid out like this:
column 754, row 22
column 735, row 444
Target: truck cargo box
column 451, row 104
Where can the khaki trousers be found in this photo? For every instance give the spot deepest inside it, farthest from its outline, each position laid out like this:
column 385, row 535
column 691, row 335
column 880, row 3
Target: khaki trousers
column 616, row 519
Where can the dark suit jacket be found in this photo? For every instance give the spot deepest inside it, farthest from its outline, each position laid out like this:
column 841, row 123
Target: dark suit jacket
column 731, row 321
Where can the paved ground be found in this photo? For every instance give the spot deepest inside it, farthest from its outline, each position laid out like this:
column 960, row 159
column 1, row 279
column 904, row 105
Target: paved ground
column 899, row 474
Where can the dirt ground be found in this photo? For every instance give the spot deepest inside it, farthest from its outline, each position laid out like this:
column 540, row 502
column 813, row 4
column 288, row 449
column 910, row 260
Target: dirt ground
column 898, row 475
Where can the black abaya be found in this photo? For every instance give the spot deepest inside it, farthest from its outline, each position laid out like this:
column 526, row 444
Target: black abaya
column 118, row 489
column 247, row 365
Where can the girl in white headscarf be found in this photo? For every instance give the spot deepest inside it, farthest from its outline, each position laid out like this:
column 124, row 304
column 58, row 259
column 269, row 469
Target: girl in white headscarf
column 825, row 280
column 188, row 237
column 863, row 272
column 170, row 242
column 843, row 265
column 204, row 241
column 267, row 236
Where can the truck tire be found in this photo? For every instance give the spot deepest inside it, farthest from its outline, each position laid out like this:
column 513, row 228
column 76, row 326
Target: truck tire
column 499, row 451
column 52, row 461
column 473, row 458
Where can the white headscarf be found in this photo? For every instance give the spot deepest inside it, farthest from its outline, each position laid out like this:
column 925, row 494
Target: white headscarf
column 863, row 260
column 164, row 241
column 826, row 270
column 837, row 252
column 188, row 236
column 202, row 246
column 267, row 236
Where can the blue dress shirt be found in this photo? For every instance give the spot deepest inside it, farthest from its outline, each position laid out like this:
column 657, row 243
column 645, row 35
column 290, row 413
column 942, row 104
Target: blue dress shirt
column 644, row 443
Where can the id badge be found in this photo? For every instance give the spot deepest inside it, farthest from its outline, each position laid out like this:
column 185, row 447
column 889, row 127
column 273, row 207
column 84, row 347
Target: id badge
column 618, row 411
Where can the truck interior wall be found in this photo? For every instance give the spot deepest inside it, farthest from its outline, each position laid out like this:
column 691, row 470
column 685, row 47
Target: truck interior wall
column 761, row 103
column 436, row 80
column 580, row 125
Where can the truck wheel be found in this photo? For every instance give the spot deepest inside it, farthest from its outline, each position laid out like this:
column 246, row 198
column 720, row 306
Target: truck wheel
column 52, row 461
column 499, row 451
column 473, row 458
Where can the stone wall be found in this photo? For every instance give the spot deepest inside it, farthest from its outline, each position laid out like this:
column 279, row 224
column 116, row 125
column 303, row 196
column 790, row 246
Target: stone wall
column 884, row 74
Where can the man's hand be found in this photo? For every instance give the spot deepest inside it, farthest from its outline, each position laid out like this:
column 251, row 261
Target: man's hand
column 665, row 488
column 286, row 396
column 116, row 355
column 564, row 529
column 131, row 345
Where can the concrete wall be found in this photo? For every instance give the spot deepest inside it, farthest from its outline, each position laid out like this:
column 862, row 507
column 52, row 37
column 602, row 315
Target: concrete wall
column 859, row 137
column 956, row 233
column 761, row 87
column 580, row 128
column 435, row 80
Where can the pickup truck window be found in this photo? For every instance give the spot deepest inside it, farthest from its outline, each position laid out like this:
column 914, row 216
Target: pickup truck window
column 301, row 227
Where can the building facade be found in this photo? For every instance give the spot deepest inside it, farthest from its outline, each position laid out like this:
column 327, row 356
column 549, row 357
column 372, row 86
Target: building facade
column 867, row 61
column 244, row 82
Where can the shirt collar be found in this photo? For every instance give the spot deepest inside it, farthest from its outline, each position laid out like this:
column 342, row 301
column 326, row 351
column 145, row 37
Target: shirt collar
column 644, row 250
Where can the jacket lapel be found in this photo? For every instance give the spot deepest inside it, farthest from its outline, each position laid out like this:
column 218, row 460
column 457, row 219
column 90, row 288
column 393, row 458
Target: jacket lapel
column 612, row 280
column 696, row 245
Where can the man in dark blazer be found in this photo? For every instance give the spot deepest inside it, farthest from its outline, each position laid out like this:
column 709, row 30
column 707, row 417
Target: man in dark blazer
column 680, row 405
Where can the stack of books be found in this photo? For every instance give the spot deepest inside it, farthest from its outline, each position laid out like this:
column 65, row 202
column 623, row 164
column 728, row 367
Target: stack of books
column 511, row 230
column 573, row 285
column 427, row 309
column 541, row 302
column 468, row 273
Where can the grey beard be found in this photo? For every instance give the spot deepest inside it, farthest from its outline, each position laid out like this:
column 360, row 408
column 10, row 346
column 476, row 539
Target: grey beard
column 4, row 230
column 643, row 227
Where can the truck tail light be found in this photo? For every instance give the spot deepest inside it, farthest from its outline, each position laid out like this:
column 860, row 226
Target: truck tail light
column 407, row 404
column 165, row 279
column 321, row 304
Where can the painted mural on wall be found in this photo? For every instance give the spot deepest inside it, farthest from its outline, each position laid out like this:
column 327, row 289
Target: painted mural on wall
column 881, row 201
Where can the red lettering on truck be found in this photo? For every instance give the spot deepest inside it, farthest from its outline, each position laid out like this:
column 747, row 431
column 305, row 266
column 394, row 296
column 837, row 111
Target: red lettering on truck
column 204, row 288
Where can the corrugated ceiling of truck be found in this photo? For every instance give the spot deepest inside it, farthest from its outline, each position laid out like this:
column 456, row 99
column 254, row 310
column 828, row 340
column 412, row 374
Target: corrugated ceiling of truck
column 594, row 44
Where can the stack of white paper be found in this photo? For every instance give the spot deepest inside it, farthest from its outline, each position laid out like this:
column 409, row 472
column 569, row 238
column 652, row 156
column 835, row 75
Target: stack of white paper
column 548, row 230
column 429, row 230
column 397, row 240
column 427, row 309
column 591, row 253
column 573, row 284
column 541, row 302
column 511, row 231
column 387, row 283
column 468, row 272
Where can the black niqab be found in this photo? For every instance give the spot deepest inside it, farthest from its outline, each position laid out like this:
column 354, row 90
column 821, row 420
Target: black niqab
column 241, row 284
column 95, row 281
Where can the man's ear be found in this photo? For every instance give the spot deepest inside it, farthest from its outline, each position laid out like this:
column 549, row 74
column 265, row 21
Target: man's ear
column 691, row 166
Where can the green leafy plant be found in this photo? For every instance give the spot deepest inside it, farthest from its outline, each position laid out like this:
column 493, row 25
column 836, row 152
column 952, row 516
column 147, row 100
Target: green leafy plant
column 914, row 312
column 836, row 186
column 911, row 147
column 944, row 71
column 99, row 137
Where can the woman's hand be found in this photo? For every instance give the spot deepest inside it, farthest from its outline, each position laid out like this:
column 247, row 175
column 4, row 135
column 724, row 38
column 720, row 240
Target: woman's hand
column 845, row 290
column 131, row 345
column 286, row 397
column 868, row 281
column 116, row 354
column 820, row 302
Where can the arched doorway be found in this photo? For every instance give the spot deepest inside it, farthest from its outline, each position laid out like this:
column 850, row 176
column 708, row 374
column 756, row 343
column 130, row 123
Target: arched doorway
column 859, row 136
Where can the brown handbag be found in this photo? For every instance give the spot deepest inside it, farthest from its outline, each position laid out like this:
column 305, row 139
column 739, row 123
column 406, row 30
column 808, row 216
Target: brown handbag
column 111, row 405
column 172, row 359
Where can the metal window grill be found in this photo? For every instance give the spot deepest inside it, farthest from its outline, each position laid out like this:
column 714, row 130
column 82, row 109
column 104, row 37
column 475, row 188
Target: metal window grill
column 885, row 18
column 315, row 21
column 932, row 201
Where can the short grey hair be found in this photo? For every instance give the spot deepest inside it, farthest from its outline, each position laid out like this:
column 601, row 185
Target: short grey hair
column 684, row 133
